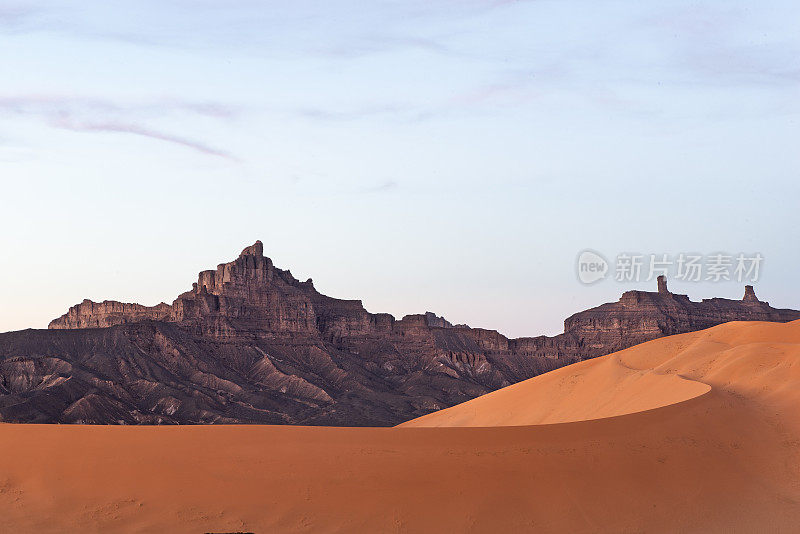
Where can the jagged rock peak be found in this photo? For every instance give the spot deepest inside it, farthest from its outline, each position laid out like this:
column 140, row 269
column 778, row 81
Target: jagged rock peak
column 431, row 319
column 662, row 285
column 256, row 249
column 749, row 294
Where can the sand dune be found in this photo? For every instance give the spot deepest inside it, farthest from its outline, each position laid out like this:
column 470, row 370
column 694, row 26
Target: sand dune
column 760, row 360
column 594, row 389
column 697, row 432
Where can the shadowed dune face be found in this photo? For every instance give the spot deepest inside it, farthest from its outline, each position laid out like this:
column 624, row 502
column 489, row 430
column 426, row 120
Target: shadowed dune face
column 720, row 454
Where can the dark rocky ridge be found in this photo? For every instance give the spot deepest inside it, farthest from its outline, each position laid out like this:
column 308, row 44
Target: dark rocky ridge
column 251, row 344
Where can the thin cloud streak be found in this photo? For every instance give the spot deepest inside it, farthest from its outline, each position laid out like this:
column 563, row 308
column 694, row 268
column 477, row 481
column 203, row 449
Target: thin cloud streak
column 382, row 188
column 135, row 129
column 249, row 29
column 12, row 15
column 79, row 114
column 351, row 114
column 712, row 47
column 37, row 104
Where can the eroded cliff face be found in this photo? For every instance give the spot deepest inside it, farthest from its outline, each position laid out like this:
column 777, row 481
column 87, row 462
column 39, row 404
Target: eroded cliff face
column 247, row 297
column 640, row 316
column 251, row 344
column 90, row 314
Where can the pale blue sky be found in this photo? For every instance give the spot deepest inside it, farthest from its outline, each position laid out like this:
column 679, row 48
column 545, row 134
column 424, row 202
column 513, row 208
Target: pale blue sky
column 446, row 156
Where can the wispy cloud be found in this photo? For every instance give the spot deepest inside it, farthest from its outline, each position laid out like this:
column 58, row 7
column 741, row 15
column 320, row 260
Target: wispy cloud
column 362, row 45
column 12, row 16
column 64, row 104
column 328, row 29
column 136, row 129
column 82, row 114
column 725, row 45
column 382, row 188
column 352, row 113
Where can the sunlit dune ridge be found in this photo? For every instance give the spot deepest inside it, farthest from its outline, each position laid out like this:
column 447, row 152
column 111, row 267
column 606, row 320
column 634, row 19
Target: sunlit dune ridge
column 756, row 359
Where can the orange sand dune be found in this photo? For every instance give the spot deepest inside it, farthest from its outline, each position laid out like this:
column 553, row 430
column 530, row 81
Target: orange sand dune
column 692, row 433
column 594, row 389
column 759, row 360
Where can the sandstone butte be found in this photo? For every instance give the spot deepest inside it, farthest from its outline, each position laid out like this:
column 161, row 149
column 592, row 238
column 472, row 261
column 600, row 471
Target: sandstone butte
column 251, row 344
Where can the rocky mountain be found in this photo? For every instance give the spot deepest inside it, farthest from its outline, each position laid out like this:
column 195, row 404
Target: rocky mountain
column 251, row 344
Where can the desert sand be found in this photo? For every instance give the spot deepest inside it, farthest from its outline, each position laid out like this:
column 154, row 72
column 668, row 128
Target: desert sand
column 698, row 432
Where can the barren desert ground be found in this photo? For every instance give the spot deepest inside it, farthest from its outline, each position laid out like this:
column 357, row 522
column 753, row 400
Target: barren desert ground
column 696, row 432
